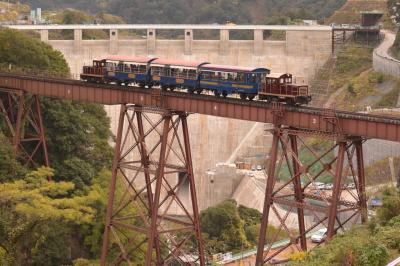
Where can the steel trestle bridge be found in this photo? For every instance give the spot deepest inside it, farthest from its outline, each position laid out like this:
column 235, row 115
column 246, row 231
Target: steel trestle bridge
column 154, row 172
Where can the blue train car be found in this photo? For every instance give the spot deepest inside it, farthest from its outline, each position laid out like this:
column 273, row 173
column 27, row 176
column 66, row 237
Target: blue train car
column 225, row 80
column 128, row 70
column 172, row 74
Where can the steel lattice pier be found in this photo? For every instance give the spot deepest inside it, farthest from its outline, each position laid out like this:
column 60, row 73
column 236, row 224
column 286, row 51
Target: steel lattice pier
column 152, row 209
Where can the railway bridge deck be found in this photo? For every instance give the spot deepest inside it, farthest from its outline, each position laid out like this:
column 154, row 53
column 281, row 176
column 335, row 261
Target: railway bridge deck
column 162, row 178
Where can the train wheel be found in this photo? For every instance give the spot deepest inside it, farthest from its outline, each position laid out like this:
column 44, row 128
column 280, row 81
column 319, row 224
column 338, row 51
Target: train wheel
column 164, row 88
column 251, row 97
column 199, row 91
column 171, row 88
column 217, row 93
column 126, row 83
column 149, row 86
column 191, row 91
column 119, row 83
column 224, row 94
column 243, row 96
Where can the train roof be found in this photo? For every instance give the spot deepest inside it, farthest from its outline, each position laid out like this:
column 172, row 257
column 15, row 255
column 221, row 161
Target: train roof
column 135, row 59
column 171, row 62
column 225, row 68
column 278, row 75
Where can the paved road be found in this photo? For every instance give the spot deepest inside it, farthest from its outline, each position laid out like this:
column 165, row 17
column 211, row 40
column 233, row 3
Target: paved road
column 383, row 61
column 383, row 48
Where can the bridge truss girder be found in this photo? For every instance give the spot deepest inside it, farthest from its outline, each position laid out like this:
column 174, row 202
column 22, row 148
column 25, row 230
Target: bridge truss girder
column 22, row 121
column 152, row 174
column 341, row 158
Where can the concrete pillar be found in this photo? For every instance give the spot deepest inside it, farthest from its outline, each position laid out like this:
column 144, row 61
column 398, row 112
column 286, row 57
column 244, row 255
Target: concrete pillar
column 188, row 42
column 223, row 42
column 151, row 41
column 44, row 35
column 77, row 40
column 258, row 42
column 113, row 41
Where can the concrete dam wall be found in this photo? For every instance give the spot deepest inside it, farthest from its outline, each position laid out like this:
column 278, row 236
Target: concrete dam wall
column 213, row 139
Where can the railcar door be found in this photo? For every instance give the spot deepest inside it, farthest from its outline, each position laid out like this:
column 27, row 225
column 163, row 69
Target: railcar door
column 260, row 81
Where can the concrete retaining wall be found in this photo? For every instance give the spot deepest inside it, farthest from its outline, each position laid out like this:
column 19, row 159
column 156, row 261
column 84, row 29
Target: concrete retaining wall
column 386, row 65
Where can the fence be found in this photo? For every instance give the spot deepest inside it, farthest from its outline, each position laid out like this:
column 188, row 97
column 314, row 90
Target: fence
column 386, row 65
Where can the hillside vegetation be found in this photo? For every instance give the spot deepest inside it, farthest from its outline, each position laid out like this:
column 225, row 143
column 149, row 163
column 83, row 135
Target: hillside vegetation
column 349, row 13
column 375, row 243
column 396, row 46
column 11, row 11
column 200, row 11
column 53, row 223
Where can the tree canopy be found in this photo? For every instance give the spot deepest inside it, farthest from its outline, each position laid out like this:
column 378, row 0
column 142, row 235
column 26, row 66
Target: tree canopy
column 20, row 50
column 53, row 223
column 374, row 243
column 200, row 11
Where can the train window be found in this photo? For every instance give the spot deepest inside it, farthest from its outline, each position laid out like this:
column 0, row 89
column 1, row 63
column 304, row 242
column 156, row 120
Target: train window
column 192, row 73
column 263, row 76
column 127, row 68
column 142, row 69
column 240, row 77
column 110, row 66
column 208, row 75
column 252, row 78
column 156, row 70
column 120, row 66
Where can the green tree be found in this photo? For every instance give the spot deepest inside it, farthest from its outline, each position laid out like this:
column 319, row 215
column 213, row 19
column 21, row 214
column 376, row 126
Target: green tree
column 37, row 219
column 223, row 227
column 10, row 168
column 20, row 50
column 77, row 134
column 77, row 137
column 249, row 216
column 52, row 223
column 356, row 247
column 390, row 206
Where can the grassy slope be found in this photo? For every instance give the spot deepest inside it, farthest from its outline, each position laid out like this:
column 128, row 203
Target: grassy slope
column 353, row 74
column 349, row 12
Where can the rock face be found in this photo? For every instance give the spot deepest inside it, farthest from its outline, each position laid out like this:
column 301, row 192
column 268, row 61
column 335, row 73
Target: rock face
column 215, row 139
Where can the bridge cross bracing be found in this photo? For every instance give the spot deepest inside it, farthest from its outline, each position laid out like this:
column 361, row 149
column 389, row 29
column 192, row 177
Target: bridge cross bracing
column 347, row 132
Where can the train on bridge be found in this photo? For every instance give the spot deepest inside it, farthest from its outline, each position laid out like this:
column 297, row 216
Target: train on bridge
column 196, row 77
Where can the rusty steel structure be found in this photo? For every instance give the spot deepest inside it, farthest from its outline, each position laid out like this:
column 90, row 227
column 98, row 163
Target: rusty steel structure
column 152, row 207
column 21, row 116
column 146, row 214
column 303, row 118
column 293, row 152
